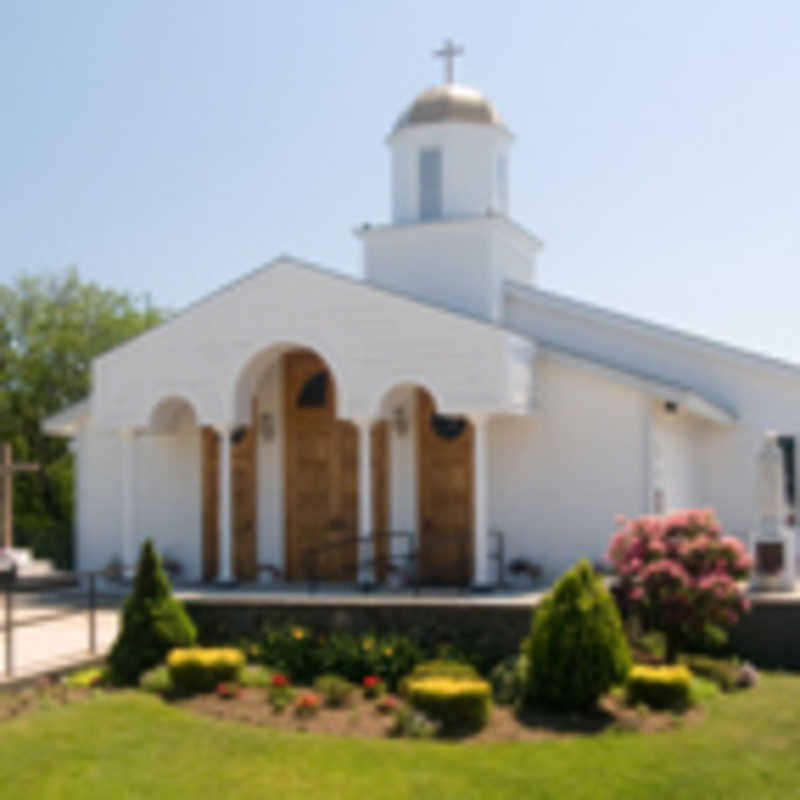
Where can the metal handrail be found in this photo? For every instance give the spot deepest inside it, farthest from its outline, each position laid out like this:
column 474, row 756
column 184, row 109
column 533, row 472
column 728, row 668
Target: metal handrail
column 311, row 555
column 442, row 539
column 412, row 556
column 17, row 585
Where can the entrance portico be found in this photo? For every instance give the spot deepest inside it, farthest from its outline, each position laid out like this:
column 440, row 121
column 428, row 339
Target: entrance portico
column 337, row 483
column 267, row 432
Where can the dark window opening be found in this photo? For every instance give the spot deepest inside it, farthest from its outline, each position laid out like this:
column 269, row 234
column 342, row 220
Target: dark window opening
column 314, row 393
column 448, row 427
column 786, row 443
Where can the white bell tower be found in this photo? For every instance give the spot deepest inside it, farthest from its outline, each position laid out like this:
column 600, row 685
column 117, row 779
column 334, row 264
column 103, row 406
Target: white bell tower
column 451, row 241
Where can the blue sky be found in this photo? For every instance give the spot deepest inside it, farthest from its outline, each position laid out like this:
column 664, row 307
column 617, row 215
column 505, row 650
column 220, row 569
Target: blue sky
column 170, row 146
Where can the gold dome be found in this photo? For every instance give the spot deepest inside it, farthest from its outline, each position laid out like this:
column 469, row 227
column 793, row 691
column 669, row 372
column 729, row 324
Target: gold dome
column 450, row 102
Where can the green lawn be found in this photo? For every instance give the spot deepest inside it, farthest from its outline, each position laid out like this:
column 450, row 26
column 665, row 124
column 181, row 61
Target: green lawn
column 128, row 745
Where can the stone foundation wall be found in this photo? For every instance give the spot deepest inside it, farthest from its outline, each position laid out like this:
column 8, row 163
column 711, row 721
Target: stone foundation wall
column 769, row 635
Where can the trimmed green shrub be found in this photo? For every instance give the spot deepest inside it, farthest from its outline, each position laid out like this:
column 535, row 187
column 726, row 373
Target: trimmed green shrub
column 508, row 679
column 254, row 676
column 153, row 623
column 439, row 668
column 200, row 669
column 724, row 673
column 459, row 705
column 156, row 680
column 335, row 690
column 577, row 648
column 662, row 687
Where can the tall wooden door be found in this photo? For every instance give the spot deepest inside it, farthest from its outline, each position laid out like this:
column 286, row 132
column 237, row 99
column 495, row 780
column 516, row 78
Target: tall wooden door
column 321, row 473
column 210, row 502
column 445, row 454
column 379, row 448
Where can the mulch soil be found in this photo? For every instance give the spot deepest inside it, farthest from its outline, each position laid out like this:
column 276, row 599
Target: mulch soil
column 361, row 718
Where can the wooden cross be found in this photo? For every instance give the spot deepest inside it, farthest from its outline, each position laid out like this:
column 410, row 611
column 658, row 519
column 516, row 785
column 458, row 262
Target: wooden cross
column 448, row 52
column 7, row 471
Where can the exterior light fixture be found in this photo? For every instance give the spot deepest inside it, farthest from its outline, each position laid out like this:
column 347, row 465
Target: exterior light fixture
column 266, row 424
column 400, row 420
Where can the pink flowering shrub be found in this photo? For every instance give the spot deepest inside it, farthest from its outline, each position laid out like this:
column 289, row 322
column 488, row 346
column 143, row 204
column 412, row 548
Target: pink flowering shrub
column 679, row 573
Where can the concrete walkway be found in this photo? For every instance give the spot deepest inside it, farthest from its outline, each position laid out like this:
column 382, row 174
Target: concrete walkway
column 50, row 632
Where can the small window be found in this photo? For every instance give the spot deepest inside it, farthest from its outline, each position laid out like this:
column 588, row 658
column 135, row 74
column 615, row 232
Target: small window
column 430, row 184
column 786, row 443
column 314, row 393
column 448, row 427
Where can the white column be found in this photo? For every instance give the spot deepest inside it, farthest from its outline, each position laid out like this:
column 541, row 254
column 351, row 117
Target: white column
column 128, row 500
column 366, row 548
column 224, row 534
column 481, row 488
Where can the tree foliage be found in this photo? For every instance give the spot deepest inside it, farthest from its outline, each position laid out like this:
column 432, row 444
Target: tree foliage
column 153, row 622
column 577, row 648
column 51, row 327
column 679, row 574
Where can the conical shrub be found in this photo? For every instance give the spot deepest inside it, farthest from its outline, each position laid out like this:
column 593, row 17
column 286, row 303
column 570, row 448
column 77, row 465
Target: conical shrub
column 153, row 622
column 577, row 648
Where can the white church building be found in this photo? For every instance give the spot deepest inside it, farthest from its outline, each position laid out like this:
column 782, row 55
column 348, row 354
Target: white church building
column 302, row 423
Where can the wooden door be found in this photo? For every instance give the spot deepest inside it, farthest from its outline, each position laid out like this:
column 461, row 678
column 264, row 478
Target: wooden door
column 379, row 448
column 210, row 502
column 321, row 473
column 445, row 474
column 243, row 498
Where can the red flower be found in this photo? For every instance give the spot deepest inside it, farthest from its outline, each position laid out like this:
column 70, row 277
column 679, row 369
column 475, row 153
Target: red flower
column 279, row 679
column 371, row 681
column 227, row 690
column 388, row 704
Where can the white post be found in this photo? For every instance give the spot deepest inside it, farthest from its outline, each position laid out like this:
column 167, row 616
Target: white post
column 480, row 577
column 128, row 504
column 366, row 548
column 224, row 562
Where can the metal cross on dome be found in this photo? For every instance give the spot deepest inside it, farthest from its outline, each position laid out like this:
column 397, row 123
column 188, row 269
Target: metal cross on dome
column 448, row 52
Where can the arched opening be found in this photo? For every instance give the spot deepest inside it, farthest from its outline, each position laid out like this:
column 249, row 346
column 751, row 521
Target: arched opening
column 294, row 469
column 172, row 415
column 431, row 481
column 320, row 473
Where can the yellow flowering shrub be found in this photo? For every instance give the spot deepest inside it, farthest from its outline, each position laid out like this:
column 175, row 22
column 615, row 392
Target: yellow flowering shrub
column 458, row 704
column 200, row 669
column 666, row 686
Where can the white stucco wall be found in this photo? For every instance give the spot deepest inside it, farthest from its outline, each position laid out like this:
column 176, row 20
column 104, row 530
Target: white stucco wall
column 168, row 497
column 679, row 459
column 557, row 481
column 371, row 339
column 167, row 500
column 761, row 393
column 469, row 168
column 98, row 535
column 446, row 263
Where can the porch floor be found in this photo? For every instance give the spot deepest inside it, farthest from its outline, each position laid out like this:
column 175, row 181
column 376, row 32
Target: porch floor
column 337, row 595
